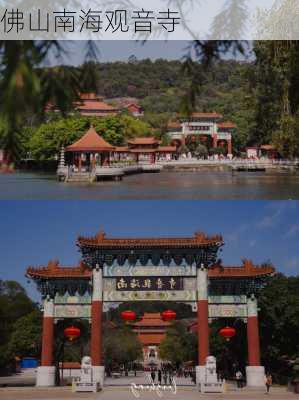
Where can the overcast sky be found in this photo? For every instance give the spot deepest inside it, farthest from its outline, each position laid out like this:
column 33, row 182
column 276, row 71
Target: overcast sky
column 32, row 233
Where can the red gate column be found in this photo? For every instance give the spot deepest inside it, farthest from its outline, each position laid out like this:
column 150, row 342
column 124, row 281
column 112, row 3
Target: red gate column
column 46, row 372
column 254, row 372
column 96, row 326
column 215, row 140
column 202, row 322
column 229, row 148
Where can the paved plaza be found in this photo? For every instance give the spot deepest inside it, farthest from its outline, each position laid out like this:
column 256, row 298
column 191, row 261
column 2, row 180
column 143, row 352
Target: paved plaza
column 124, row 393
column 120, row 389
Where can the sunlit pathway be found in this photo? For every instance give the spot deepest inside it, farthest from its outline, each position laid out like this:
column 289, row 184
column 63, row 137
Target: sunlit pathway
column 142, row 379
column 124, row 393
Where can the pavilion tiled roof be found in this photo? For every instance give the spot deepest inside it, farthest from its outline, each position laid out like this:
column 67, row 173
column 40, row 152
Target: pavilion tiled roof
column 198, row 240
column 226, row 125
column 151, row 319
column 162, row 149
column 90, row 141
column 121, row 149
column 174, row 125
column 212, row 115
column 143, row 141
column 143, row 151
column 96, row 105
column 267, row 147
column 151, row 338
column 92, row 102
column 167, row 149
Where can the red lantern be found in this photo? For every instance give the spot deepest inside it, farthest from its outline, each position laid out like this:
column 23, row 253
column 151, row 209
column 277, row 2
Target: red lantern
column 128, row 315
column 227, row 333
column 168, row 315
column 72, row 333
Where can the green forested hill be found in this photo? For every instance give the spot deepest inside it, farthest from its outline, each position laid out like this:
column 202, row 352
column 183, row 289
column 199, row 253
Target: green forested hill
column 226, row 87
column 260, row 97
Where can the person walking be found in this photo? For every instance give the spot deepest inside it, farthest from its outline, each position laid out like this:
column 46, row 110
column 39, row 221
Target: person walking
column 268, row 382
column 159, row 376
column 239, row 377
column 165, row 376
column 153, row 375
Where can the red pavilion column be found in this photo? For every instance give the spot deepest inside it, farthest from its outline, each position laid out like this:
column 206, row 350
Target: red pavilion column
column 254, row 372
column 96, row 326
column 202, row 321
column 229, row 147
column 215, row 139
column 46, row 371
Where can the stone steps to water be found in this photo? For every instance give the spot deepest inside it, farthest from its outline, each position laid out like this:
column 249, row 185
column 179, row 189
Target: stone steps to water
column 83, row 177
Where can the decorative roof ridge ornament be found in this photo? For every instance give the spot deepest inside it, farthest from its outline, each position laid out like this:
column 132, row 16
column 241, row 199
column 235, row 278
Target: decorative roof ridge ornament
column 53, row 265
column 247, row 263
column 55, row 270
column 101, row 235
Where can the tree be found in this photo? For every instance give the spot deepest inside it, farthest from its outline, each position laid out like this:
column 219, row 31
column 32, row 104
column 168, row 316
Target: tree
column 279, row 325
column 25, row 88
column 25, row 340
column 179, row 345
column 286, row 137
column 121, row 347
column 14, row 304
column 218, row 150
column 201, row 151
column 47, row 140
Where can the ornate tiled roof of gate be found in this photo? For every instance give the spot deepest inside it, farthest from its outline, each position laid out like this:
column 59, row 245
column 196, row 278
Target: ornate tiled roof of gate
column 54, row 271
column 198, row 240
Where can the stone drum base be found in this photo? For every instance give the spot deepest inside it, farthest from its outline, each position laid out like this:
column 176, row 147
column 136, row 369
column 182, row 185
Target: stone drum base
column 255, row 376
column 45, row 376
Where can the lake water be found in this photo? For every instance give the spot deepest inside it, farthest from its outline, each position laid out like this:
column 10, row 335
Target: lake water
column 206, row 185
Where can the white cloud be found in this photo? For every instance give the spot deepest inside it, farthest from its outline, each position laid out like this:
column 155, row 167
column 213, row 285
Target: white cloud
column 292, row 231
column 252, row 243
column 277, row 209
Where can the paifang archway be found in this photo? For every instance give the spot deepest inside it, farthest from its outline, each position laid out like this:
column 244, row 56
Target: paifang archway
column 181, row 269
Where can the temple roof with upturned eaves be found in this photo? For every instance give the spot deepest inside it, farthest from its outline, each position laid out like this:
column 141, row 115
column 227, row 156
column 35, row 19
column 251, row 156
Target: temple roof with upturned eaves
column 90, row 141
column 198, row 240
column 55, row 271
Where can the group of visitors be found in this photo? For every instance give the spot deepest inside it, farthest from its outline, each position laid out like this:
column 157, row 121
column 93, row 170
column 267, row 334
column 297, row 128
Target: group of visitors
column 240, row 381
column 164, row 376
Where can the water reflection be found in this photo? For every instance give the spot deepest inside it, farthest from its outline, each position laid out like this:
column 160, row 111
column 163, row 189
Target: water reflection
column 165, row 185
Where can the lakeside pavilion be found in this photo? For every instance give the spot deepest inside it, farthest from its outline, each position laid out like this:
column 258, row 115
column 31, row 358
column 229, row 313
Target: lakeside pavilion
column 146, row 149
column 90, row 150
column 180, row 269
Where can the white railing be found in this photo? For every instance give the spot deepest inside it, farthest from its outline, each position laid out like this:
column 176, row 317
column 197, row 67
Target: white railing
column 233, row 162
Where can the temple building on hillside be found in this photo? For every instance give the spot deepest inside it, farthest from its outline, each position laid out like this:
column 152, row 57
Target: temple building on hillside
column 135, row 109
column 92, row 105
column 151, row 330
column 179, row 269
column 210, row 128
